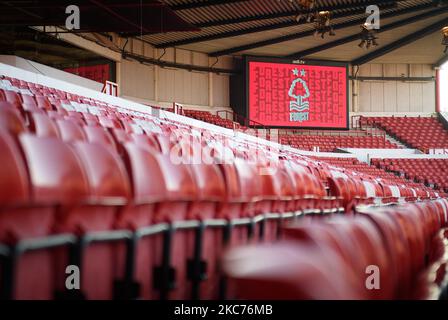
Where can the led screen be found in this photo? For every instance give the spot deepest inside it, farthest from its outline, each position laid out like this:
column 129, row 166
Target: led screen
column 293, row 95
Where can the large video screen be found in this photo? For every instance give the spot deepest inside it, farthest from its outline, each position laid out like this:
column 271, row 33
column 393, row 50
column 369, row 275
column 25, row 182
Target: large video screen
column 297, row 95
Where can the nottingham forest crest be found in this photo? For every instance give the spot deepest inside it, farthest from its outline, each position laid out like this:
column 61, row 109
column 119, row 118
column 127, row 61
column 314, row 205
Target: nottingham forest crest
column 300, row 93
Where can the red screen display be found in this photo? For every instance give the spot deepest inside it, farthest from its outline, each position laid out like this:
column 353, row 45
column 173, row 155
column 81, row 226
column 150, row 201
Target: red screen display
column 291, row 95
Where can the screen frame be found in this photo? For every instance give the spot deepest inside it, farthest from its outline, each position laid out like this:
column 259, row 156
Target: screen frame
column 326, row 63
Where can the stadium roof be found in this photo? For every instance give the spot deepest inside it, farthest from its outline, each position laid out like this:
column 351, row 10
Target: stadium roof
column 269, row 27
column 409, row 32
column 126, row 17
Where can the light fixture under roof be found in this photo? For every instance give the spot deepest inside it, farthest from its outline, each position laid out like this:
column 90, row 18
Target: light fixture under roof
column 322, row 24
column 445, row 38
column 306, row 5
column 368, row 38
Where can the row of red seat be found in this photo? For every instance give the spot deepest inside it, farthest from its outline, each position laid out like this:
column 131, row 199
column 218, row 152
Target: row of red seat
column 432, row 172
column 393, row 187
column 74, row 123
column 423, row 133
column 380, row 254
column 211, row 118
column 330, row 143
column 86, row 183
column 79, row 174
column 78, row 188
column 373, row 170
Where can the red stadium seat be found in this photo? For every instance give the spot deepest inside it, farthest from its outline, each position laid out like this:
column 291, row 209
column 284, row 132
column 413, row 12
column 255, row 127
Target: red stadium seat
column 291, row 271
column 10, row 119
column 202, row 257
column 100, row 136
column 398, row 249
column 149, row 208
column 418, row 132
column 43, row 126
column 109, row 190
column 11, row 97
column 28, row 100
column 56, row 179
column 70, row 131
column 358, row 243
column 43, row 103
column 23, row 218
column 173, row 193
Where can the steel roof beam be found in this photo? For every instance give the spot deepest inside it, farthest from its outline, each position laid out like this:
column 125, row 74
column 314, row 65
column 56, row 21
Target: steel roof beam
column 354, row 37
column 236, row 33
column 308, row 33
column 401, row 42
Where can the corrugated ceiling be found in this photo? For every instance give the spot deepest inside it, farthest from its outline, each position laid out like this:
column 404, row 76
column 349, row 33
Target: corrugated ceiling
column 232, row 24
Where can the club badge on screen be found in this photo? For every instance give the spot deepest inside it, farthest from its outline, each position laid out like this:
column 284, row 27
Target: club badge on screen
column 287, row 95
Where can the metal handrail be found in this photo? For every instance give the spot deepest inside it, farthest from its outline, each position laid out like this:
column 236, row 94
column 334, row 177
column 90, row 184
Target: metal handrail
column 235, row 117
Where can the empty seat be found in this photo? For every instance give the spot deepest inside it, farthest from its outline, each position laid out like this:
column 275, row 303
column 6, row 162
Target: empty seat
column 277, row 195
column 202, row 257
column 56, row 179
column 100, row 136
column 70, row 131
column 109, row 191
column 108, row 122
column 145, row 141
column 358, row 242
column 308, row 189
column 23, row 217
column 263, row 273
column 11, row 97
column 398, row 249
column 396, row 240
column 121, row 195
column 10, row 119
column 42, row 125
column 423, row 133
column 43, row 103
column 29, row 101
column 174, row 191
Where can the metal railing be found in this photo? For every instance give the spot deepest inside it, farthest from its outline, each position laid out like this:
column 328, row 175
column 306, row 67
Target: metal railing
column 235, row 117
column 127, row 287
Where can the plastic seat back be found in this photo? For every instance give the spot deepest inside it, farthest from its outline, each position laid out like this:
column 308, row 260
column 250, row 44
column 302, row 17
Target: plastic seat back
column 10, row 119
column 70, row 131
column 43, row 126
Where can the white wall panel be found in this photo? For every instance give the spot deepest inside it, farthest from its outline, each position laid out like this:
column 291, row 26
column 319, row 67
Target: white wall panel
column 403, row 97
column 137, row 80
column 364, row 97
column 220, row 90
column 429, row 96
column 396, row 96
column 390, row 96
column 175, row 85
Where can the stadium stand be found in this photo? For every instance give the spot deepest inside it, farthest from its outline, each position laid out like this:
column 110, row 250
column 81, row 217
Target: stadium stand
column 304, row 141
column 191, row 150
column 417, row 132
column 431, row 172
column 211, row 118
column 74, row 188
column 330, row 143
column 379, row 172
column 405, row 241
